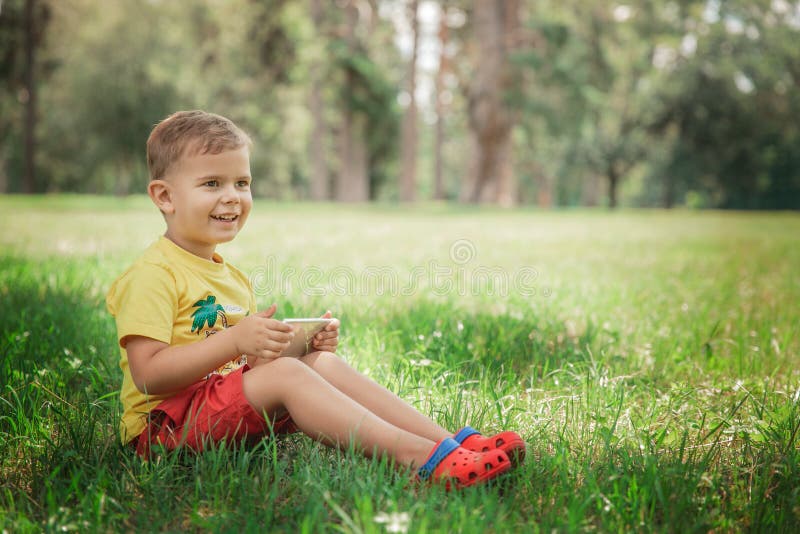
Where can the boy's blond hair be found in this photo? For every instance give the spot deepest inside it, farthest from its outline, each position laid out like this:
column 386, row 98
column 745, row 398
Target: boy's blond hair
column 198, row 131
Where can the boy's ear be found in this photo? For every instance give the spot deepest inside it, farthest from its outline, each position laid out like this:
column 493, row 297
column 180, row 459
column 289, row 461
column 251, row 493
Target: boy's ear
column 161, row 195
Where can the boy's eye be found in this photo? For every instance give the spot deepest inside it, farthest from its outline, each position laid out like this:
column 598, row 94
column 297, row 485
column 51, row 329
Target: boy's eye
column 212, row 183
column 243, row 183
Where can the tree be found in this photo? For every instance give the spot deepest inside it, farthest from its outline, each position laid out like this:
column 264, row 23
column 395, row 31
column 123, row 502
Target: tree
column 589, row 92
column 319, row 179
column 491, row 119
column 730, row 143
column 352, row 184
column 368, row 124
column 105, row 96
column 441, row 92
column 22, row 28
column 29, row 179
column 619, row 55
column 408, row 153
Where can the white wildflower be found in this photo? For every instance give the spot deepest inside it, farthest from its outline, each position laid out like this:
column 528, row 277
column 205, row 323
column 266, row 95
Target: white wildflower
column 395, row 521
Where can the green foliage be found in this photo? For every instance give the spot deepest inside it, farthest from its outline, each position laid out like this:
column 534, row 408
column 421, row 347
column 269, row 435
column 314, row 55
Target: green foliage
column 667, row 102
column 687, row 97
column 730, row 139
column 96, row 144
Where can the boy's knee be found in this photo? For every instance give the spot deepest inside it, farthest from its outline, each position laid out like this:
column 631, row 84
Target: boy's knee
column 283, row 367
column 330, row 356
column 325, row 359
column 327, row 364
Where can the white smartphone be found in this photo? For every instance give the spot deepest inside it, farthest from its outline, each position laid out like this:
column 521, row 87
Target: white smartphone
column 304, row 331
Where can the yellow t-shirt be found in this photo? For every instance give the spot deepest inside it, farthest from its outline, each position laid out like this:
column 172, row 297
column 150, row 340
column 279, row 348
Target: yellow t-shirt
column 171, row 295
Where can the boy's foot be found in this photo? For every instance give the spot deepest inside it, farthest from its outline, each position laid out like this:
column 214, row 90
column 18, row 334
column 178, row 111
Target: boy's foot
column 458, row 467
column 509, row 442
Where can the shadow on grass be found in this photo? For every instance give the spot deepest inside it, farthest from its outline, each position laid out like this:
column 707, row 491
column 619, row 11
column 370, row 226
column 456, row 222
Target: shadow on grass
column 59, row 382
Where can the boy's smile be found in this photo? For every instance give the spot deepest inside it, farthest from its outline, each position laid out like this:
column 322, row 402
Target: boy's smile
column 205, row 199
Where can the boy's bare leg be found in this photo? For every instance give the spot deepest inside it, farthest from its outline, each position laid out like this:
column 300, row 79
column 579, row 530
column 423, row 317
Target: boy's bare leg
column 373, row 396
column 327, row 414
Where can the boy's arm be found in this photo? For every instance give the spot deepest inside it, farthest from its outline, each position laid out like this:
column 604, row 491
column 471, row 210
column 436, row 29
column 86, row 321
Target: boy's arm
column 158, row 368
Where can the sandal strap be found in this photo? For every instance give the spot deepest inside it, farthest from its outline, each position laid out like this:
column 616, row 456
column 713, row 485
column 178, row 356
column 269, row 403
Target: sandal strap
column 464, row 433
column 442, row 450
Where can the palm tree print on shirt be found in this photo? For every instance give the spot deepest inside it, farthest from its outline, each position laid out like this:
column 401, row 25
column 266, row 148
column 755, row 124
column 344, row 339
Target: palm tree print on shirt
column 206, row 313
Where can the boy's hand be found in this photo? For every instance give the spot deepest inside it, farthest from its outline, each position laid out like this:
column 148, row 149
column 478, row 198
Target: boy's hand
column 328, row 339
column 262, row 336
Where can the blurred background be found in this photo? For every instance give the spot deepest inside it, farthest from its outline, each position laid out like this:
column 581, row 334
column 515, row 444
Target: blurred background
column 510, row 102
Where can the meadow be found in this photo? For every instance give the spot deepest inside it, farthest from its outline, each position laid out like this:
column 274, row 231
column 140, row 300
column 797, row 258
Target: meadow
column 650, row 359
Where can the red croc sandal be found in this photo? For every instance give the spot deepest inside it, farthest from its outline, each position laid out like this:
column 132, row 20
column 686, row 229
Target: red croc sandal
column 509, row 442
column 458, row 467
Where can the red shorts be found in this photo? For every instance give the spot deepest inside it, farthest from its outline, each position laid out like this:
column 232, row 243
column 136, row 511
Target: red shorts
column 207, row 412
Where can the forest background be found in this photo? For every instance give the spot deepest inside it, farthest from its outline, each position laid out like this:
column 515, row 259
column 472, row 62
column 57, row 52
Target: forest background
column 510, row 102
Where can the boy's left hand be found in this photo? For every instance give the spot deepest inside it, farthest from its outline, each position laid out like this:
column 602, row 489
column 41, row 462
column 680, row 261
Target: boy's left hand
column 328, row 339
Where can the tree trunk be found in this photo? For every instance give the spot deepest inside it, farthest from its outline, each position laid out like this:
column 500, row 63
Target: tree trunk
column 123, row 178
column 613, row 182
column 590, row 190
column 352, row 184
column 490, row 118
column 544, row 187
column 319, row 187
column 319, row 183
column 29, row 178
column 438, row 147
column 408, row 149
column 669, row 191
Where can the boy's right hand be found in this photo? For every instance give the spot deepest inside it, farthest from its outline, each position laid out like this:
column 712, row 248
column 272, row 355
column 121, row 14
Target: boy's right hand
column 262, row 336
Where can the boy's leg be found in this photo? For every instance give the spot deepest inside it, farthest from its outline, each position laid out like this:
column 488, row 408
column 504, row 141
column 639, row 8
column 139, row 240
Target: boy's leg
column 373, row 396
column 323, row 412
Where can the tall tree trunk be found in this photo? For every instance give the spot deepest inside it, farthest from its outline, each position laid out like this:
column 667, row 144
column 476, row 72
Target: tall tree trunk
column 490, row 118
column 408, row 149
column 438, row 147
column 319, row 183
column 319, row 187
column 29, row 178
column 613, row 182
column 669, row 191
column 590, row 190
column 544, row 186
column 352, row 184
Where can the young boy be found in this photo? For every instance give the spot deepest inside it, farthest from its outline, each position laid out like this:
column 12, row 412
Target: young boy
column 200, row 364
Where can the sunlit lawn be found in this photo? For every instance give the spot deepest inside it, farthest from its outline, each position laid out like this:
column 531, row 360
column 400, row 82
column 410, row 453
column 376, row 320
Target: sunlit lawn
column 649, row 358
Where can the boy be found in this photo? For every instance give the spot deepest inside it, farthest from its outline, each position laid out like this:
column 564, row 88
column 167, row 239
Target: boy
column 201, row 365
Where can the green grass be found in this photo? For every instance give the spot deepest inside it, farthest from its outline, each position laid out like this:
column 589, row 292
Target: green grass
column 653, row 370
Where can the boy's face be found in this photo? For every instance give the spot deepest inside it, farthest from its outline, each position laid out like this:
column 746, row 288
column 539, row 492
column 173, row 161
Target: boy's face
column 205, row 199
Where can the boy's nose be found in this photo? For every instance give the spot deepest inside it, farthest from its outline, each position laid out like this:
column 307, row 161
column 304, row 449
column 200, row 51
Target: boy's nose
column 229, row 195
